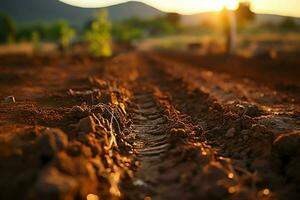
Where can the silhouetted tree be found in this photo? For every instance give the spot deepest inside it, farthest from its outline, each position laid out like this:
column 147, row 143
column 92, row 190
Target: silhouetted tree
column 288, row 23
column 244, row 14
column 42, row 29
column 7, row 29
column 173, row 19
column 233, row 20
column 226, row 28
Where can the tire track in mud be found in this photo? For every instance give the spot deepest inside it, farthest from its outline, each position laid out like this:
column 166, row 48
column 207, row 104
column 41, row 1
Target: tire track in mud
column 214, row 120
column 151, row 142
column 171, row 165
column 149, row 124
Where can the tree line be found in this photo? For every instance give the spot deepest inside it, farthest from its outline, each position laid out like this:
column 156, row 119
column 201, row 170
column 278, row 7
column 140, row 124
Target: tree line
column 98, row 31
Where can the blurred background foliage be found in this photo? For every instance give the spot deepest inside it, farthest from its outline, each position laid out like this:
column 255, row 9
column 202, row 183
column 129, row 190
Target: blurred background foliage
column 99, row 33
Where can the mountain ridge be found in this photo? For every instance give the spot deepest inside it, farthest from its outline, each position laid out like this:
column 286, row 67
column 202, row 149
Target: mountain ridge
column 36, row 10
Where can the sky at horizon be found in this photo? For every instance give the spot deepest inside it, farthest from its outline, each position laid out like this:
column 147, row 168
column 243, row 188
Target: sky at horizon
column 281, row 7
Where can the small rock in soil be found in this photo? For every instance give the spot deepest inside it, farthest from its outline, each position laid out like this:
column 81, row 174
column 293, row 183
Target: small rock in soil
column 287, row 144
column 86, row 125
column 51, row 141
column 259, row 128
column 179, row 125
column 52, row 184
column 246, row 132
column 245, row 137
column 230, row 133
column 252, row 111
column 9, row 99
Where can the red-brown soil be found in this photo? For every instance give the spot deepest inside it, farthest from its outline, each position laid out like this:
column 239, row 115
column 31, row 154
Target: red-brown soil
column 149, row 125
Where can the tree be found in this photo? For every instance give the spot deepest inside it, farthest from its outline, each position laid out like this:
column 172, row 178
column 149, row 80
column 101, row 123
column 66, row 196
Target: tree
column 173, row 19
column 160, row 26
column 7, row 29
column 231, row 20
column 244, row 14
column 289, row 24
column 99, row 36
column 124, row 33
column 25, row 33
column 227, row 30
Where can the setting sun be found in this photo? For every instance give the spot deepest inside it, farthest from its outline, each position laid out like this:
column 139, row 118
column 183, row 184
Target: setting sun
column 230, row 4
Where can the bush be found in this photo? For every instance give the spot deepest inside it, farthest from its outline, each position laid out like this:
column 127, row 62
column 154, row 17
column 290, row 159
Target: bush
column 99, row 36
column 126, row 34
column 67, row 33
column 288, row 24
column 35, row 42
column 46, row 31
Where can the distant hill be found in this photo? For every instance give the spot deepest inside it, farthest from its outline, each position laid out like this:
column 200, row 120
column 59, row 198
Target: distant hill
column 29, row 11
column 197, row 19
column 263, row 18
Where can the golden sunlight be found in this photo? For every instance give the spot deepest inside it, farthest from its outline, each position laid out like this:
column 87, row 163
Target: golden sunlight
column 229, row 4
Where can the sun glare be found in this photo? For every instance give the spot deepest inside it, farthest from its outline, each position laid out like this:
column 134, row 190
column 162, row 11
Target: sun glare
column 229, row 4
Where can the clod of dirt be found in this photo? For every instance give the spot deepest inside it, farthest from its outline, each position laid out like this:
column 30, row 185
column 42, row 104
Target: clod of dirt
column 76, row 149
column 9, row 99
column 246, row 133
column 51, row 141
column 92, row 95
column 277, row 123
column 52, row 184
column 179, row 125
column 230, row 133
column 92, row 142
column 86, row 125
column 178, row 131
column 78, row 112
column 287, row 144
column 102, row 84
column 252, row 110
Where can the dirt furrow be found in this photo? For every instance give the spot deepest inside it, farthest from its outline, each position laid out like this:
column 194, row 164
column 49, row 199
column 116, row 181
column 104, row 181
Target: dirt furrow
column 150, row 142
column 170, row 164
column 144, row 126
column 234, row 131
